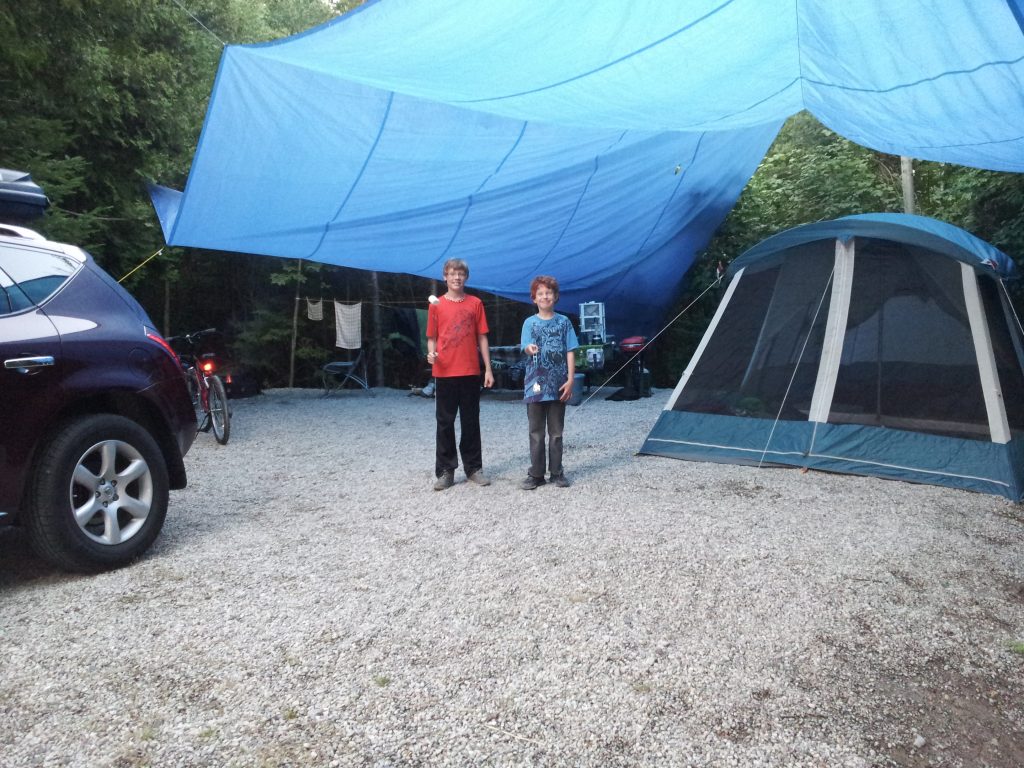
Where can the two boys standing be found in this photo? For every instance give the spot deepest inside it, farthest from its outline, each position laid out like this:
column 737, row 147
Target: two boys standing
column 456, row 332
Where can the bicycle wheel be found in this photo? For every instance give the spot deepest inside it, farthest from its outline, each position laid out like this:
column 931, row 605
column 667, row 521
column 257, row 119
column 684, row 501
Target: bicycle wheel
column 220, row 416
column 192, row 379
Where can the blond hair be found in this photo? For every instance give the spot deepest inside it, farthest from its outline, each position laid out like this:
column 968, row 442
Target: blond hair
column 455, row 264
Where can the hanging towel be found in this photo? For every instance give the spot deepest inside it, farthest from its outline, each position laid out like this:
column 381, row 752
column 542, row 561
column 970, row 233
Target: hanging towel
column 315, row 309
column 348, row 319
column 421, row 319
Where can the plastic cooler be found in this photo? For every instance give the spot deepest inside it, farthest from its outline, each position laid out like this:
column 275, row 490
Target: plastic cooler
column 578, row 383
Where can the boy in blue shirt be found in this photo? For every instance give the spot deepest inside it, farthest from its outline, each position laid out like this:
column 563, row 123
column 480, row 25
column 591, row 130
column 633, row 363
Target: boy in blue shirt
column 549, row 340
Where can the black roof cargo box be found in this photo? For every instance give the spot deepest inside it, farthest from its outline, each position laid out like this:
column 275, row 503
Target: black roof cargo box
column 21, row 198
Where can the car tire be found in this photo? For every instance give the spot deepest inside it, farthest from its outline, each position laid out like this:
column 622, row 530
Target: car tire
column 99, row 494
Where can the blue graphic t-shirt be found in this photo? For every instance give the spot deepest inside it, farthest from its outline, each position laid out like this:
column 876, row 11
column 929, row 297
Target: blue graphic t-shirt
column 549, row 368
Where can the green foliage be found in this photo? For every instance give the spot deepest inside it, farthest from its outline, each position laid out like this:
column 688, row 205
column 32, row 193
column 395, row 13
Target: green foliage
column 102, row 96
column 809, row 174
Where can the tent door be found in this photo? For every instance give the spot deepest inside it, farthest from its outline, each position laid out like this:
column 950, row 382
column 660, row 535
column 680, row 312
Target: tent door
column 704, row 341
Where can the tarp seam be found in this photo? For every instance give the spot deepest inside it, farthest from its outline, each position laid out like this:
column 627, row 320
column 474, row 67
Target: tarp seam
column 579, row 201
column 634, row 261
column 965, row 144
column 799, row 49
column 359, row 176
column 931, row 79
column 610, row 64
column 469, row 201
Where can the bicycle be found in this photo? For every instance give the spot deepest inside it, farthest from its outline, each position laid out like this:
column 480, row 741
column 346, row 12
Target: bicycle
column 209, row 397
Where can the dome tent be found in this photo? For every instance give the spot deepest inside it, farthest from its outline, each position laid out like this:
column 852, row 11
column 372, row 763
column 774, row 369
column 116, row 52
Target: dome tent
column 879, row 344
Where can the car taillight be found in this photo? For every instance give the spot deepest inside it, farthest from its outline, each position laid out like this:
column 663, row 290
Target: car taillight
column 154, row 336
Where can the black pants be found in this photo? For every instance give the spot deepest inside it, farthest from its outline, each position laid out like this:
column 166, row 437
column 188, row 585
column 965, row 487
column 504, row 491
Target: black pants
column 551, row 414
column 458, row 395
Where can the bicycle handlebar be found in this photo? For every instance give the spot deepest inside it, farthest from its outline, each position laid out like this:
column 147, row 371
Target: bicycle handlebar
column 191, row 338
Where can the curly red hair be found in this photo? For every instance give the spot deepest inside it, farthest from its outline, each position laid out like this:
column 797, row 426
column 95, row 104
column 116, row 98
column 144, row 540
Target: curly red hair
column 547, row 281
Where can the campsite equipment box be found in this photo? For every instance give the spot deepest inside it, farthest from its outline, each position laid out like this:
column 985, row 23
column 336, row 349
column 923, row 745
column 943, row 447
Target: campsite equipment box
column 592, row 322
column 578, row 384
column 590, row 357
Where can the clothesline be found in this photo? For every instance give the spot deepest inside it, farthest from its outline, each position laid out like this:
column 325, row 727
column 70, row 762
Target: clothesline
column 396, row 302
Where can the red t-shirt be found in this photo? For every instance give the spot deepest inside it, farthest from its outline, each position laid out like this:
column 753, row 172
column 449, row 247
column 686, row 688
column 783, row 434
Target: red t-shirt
column 456, row 326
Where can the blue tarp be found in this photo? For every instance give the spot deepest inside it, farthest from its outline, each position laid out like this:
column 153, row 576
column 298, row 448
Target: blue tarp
column 597, row 140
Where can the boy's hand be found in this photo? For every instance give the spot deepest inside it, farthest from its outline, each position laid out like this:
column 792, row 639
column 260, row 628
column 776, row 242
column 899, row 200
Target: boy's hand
column 488, row 379
column 531, row 349
column 565, row 391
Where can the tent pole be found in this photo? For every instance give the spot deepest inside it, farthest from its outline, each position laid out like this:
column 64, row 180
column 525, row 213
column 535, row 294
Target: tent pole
column 998, row 424
column 907, row 179
column 295, row 324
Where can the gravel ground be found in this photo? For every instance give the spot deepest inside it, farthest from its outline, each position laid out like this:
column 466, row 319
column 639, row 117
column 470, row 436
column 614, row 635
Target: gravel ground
column 311, row 601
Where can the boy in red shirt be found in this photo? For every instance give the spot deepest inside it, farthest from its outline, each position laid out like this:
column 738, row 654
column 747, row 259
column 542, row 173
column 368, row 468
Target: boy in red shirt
column 456, row 329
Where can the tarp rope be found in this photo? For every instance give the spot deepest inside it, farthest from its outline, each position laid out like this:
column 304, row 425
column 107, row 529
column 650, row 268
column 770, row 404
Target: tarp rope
column 140, row 266
column 197, row 21
column 647, row 344
column 799, row 359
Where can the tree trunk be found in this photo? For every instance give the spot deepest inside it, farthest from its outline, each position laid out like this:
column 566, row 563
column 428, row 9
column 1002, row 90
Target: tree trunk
column 907, row 177
column 378, row 332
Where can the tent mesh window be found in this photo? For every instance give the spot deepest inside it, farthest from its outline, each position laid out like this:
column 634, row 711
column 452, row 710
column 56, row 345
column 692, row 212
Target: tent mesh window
column 1008, row 350
column 760, row 362
column 908, row 358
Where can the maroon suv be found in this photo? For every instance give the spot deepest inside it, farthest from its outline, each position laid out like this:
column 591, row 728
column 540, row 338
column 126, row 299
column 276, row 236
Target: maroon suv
column 95, row 415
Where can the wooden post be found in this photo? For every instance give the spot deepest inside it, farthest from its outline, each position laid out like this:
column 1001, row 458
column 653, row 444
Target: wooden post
column 295, row 324
column 378, row 334
column 907, row 178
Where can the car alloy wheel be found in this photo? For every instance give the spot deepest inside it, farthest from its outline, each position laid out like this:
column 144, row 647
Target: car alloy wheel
column 99, row 494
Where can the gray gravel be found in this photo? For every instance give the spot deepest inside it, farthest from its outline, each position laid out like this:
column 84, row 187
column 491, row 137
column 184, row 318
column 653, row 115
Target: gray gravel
column 312, row 601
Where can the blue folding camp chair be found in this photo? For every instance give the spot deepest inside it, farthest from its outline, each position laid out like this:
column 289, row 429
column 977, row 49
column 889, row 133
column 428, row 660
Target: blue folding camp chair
column 336, row 373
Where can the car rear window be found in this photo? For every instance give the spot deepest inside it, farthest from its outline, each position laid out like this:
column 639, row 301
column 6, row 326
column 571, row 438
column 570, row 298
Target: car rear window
column 37, row 272
column 12, row 298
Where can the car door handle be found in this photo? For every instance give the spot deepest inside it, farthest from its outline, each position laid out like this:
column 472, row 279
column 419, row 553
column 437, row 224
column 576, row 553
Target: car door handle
column 25, row 364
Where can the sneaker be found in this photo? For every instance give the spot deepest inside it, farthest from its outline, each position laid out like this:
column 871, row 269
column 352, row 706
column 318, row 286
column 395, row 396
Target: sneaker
column 446, row 480
column 531, row 482
column 478, row 477
column 560, row 481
